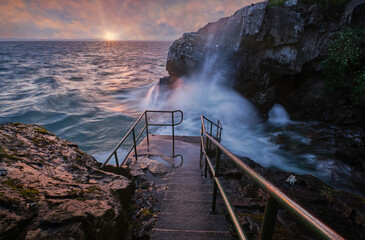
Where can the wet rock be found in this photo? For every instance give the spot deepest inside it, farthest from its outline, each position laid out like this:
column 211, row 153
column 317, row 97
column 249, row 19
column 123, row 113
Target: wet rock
column 51, row 189
column 157, row 168
column 151, row 178
column 275, row 61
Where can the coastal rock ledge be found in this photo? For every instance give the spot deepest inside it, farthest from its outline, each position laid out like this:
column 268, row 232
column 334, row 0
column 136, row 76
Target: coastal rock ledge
column 49, row 189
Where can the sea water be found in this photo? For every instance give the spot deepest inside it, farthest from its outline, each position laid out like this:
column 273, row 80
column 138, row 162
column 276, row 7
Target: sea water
column 91, row 92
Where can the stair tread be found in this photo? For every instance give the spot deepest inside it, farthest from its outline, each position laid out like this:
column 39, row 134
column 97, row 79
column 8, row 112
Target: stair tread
column 159, row 234
column 191, row 221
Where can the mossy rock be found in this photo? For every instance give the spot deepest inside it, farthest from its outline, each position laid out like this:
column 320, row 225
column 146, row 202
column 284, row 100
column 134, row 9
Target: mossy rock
column 41, row 130
column 29, row 193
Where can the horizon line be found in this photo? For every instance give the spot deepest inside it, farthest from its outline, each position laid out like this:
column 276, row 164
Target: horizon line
column 79, row 39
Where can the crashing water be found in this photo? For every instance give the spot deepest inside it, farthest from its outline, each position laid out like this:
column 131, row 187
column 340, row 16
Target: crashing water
column 210, row 93
column 90, row 93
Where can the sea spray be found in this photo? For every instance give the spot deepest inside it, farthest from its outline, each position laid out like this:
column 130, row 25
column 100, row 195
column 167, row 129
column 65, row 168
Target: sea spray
column 278, row 115
column 209, row 92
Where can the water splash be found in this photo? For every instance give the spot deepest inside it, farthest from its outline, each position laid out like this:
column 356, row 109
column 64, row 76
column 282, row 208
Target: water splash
column 278, row 115
column 209, row 93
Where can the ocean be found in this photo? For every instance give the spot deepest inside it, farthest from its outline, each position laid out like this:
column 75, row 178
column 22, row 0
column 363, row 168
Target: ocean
column 86, row 92
column 91, row 92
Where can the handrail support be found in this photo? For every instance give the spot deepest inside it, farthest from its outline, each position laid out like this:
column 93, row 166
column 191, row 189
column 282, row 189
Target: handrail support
column 116, row 159
column 134, row 144
column 216, row 174
column 173, row 133
column 146, row 123
column 268, row 223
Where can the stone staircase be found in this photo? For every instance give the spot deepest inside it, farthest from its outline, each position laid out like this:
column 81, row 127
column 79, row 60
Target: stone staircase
column 185, row 209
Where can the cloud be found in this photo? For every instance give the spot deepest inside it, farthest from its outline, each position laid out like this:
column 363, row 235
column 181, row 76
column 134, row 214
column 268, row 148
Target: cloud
column 129, row 19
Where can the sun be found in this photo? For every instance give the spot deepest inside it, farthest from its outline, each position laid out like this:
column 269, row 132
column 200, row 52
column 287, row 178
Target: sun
column 110, row 36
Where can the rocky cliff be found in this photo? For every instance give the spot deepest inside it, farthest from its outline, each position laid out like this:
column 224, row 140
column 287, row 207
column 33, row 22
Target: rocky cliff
column 276, row 53
column 49, row 189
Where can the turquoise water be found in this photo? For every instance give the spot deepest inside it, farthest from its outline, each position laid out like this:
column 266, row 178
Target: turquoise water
column 90, row 93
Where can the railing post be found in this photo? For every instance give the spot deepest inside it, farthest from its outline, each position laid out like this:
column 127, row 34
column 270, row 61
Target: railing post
column 201, row 146
column 268, row 223
column 173, row 134
column 205, row 160
column 217, row 158
column 134, row 143
column 210, row 133
column 116, row 159
column 217, row 129
column 207, row 145
column 146, row 120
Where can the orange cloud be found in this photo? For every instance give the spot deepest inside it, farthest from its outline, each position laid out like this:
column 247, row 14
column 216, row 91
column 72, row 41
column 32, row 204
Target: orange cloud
column 128, row 19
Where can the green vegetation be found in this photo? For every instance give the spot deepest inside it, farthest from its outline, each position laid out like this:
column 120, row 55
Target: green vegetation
column 94, row 190
column 276, row 3
column 81, row 192
column 327, row 193
column 41, row 130
column 29, row 193
column 4, row 154
column 344, row 66
column 145, row 213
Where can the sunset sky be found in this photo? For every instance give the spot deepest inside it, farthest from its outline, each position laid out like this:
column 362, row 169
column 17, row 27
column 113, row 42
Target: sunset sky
column 113, row 19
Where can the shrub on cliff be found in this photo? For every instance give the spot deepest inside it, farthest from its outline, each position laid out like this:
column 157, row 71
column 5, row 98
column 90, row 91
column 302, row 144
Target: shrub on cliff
column 344, row 65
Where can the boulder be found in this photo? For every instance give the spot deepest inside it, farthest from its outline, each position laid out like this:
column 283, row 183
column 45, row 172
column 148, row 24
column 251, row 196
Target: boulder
column 50, row 189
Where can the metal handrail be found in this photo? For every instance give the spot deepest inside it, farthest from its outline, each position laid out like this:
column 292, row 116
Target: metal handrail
column 145, row 127
column 276, row 197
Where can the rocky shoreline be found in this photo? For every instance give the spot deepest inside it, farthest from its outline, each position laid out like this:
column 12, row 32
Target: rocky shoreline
column 50, row 189
column 342, row 211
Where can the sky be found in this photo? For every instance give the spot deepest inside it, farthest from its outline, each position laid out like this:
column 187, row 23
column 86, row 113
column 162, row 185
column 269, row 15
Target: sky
column 110, row 19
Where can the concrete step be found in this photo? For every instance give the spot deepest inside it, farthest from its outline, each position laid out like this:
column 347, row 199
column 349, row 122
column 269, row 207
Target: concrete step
column 178, row 175
column 190, row 187
column 195, row 171
column 159, row 234
column 191, row 180
column 186, row 207
column 192, row 222
column 189, row 196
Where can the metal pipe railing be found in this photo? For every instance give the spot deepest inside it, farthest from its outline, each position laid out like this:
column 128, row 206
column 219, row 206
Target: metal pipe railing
column 145, row 127
column 276, row 197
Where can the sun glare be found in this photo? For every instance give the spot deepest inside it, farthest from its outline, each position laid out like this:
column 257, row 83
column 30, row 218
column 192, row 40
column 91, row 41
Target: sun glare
column 109, row 36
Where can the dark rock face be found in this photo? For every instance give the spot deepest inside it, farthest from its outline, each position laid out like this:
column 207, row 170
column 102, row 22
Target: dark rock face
column 342, row 211
column 49, row 189
column 278, row 53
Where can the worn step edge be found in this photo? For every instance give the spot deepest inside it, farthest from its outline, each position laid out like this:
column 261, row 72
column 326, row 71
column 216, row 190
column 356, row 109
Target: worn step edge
column 201, row 188
column 192, row 221
column 187, row 207
column 162, row 234
column 190, row 231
